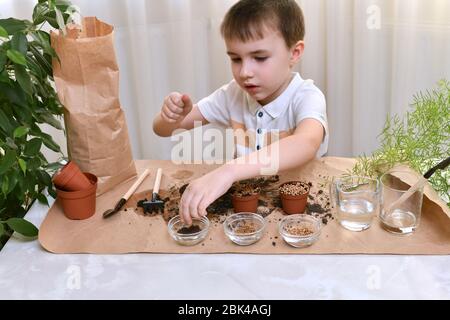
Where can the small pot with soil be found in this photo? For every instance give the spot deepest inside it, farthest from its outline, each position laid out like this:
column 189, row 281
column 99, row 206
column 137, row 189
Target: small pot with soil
column 294, row 196
column 245, row 197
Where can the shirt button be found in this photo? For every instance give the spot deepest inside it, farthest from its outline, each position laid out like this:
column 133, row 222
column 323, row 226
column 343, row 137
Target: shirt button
column 259, row 130
column 258, row 147
column 260, row 114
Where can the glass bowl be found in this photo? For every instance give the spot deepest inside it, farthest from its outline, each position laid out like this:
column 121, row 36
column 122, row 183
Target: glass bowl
column 244, row 228
column 188, row 235
column 300, row 230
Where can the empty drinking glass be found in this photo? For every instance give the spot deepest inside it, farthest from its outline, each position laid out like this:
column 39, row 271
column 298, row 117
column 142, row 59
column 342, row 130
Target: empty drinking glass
column 403, row 218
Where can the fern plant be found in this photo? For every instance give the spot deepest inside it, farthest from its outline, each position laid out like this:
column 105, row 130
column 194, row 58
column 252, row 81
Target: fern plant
column 420, row 140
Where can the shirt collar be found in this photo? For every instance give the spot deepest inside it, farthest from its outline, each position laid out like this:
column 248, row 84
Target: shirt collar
column 279, row 105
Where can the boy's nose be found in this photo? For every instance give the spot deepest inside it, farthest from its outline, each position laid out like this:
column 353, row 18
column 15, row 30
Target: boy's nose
column 246, row 71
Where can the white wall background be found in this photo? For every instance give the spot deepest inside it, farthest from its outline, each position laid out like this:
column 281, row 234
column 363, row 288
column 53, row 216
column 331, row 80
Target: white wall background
column 369, row 57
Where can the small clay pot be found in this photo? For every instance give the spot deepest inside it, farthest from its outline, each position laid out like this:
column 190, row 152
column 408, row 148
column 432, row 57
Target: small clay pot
column 79, row 205
column 245, row 203
column 293, row 204
column 70, row 178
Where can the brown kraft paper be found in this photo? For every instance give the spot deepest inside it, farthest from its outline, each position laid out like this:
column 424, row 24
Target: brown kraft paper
column 87, row 82
column 132, row 231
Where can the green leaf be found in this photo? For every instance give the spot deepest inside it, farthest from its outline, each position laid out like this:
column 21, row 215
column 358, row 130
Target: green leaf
column 5, row 185
column 43, row 39
column 23, row 165
column 19, row 43
column 44, row 178
column 10, row 143
column 16, row 57
column 32, row 147
column 4, row 77
column 20, row 131
column 41, row 60
column 22, row 226
column 23, row 78
column 34, row 163
column 49, row 143
column 13, row 179
column 7, row 161
column 4, row 122
column 3, row 32
column 60, row 20
column 36, row 69
column 39, row 12
column 42, row 199
column 2, row 229
column 12, row 25
column 50, row 119
column 2, row 60
column 14, row 94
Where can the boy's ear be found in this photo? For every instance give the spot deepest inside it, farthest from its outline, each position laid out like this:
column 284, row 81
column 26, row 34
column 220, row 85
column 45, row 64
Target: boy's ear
column 297, row 52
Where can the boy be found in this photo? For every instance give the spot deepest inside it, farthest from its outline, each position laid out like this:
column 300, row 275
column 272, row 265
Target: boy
column 264, row 40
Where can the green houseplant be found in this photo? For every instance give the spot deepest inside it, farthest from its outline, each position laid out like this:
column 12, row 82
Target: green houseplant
column 421, row 140
column 27, row 99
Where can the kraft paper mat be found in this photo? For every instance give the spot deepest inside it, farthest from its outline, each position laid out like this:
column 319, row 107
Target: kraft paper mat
column 130, row 231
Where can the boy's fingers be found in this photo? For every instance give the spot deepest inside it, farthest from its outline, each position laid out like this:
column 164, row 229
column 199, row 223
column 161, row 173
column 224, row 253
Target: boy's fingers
column 168, row 103
column 186, row 102
column 184, row 210
column 167, row 117
column 193, row 207
column 175, row 98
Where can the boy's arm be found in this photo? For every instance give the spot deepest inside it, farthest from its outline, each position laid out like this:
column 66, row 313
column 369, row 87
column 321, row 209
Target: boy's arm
column 290, row 152
column 173, row 116
column 293, row 151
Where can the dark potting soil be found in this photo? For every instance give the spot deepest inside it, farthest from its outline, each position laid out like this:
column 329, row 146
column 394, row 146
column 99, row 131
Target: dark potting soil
column 269, row 200
column 189, row 230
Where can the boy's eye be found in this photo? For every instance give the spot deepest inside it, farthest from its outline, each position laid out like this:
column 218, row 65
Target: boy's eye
column 260, row 58
column 235, row 60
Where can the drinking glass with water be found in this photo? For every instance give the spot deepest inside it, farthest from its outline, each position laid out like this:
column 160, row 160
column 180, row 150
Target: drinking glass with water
column 357, row 201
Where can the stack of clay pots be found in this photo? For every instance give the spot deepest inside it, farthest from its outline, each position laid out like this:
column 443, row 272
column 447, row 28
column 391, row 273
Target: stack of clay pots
column 75, row 191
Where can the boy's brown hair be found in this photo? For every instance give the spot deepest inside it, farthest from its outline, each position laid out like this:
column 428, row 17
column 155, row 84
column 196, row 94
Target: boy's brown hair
column 247, row 18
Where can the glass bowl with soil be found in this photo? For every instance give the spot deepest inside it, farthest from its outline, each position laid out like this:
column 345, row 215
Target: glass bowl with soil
column 294, row 196
column 244, row 197
column 300, row 230
column 188, row 235
column 244, row 228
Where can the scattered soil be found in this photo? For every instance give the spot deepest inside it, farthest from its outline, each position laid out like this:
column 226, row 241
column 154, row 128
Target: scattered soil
column 182, row 174
column 269, row 200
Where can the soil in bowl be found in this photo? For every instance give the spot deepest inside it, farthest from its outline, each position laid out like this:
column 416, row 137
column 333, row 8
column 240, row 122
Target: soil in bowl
column 189, row 230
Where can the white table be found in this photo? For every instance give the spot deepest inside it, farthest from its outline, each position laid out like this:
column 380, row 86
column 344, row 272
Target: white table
column 27, row 271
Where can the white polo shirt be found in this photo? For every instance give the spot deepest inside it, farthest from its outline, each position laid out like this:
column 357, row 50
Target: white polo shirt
column 232, row 107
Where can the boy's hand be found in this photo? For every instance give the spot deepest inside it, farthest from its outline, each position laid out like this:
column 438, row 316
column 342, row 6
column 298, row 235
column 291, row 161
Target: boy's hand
column 176, row 107
column 203, row 191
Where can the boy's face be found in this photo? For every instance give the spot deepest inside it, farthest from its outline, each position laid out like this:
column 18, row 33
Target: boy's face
column 263, row 67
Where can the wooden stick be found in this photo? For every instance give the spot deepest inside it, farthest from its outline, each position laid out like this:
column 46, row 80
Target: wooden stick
column 419, row 184
column 136, row 184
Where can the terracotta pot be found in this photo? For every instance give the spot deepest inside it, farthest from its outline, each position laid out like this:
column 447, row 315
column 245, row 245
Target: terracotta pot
column 246, row 203
column 70, row 178
column 293, row 204
column 79, row 205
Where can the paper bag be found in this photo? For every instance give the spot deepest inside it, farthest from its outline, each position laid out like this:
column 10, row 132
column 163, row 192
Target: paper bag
column 87, row 82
